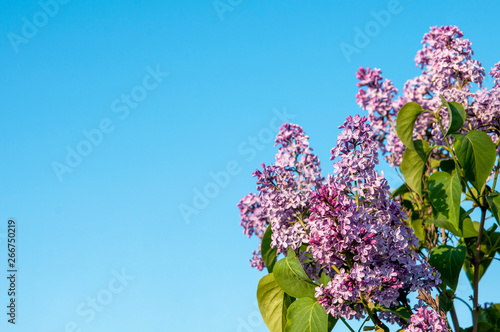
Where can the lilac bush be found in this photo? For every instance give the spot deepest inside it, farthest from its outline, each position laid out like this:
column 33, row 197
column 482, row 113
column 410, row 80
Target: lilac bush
column 344, row 246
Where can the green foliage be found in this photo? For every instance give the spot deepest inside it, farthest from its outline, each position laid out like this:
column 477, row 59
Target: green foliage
column 444, row 193
column 405, row 122
column 494, row 203
column 448, row 261
column 491, row 315
column 306, row 315
column 476, row 153
column 413, row 164
column 489, row 319
column 273, row 303
column 457, row 116
column 490, row 245
column 268, row 254
column 292, row 278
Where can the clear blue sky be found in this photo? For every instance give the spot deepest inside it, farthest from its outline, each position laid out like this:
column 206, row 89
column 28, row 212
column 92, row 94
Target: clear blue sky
column 159, row 96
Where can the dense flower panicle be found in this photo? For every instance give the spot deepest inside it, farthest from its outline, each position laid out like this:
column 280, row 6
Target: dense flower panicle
column 448, row 58
column 295, row 154
column 427, row 320
column 254, row 218
column 376, row 96
column 256, row 260
column 347, row 226
column 285, row 188
column 357, row 230
column 448, row 69
column 486, row 109
column 419, row 90
column 495, row 73
column 285, row 200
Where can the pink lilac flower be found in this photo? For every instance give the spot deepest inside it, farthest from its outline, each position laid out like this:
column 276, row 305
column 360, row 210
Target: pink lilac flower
column 256, row 260
column 376, row 96
column 295, row 154
column 285, row 188
column 495, row 73
column 254, row 220
column 427, row 320
column 448, row 58
column 357, row 230
column 448, row 69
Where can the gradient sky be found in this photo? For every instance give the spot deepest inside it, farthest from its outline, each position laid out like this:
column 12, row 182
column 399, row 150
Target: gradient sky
column 171, row 94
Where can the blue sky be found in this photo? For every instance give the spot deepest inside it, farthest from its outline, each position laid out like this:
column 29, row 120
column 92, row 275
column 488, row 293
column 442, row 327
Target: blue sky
column 158, row 98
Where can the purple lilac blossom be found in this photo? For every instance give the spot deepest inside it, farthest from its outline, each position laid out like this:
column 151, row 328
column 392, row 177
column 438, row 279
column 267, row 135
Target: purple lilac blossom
column 254, row 221
column 427, row 320
column 357, row 230
column 448, row 69
column 377, row 97
column 285, row 188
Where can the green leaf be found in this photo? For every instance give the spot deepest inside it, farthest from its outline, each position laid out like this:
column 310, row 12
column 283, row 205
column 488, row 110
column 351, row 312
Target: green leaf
column 446, row 300
column 469, row 268
column 292, row 278
column 405, row 122
column 490, row 318
column 476, row 153
column 324, row 279
column 306, row 315
column 441, row 221
column 492, row 240
column 401, row 311
column 444, row 193
column 490, row 245
column 493, row 314
column 418, row 229
column 331, row 322
column 447, row 165
column 403, row 189
column 448, row 261
column 273, row 303
column 413, row 165
column 494, row 202
column 457, row 115
column 466, row 228
column 268, row 254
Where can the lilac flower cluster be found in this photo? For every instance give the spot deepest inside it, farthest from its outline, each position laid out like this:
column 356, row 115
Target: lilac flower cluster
column 284, row 193
column 345, row 225
column 448, row 69
column 427, row 320
column 448, row 58
column 377, row 97
column 254, row 220
column 357, row 231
